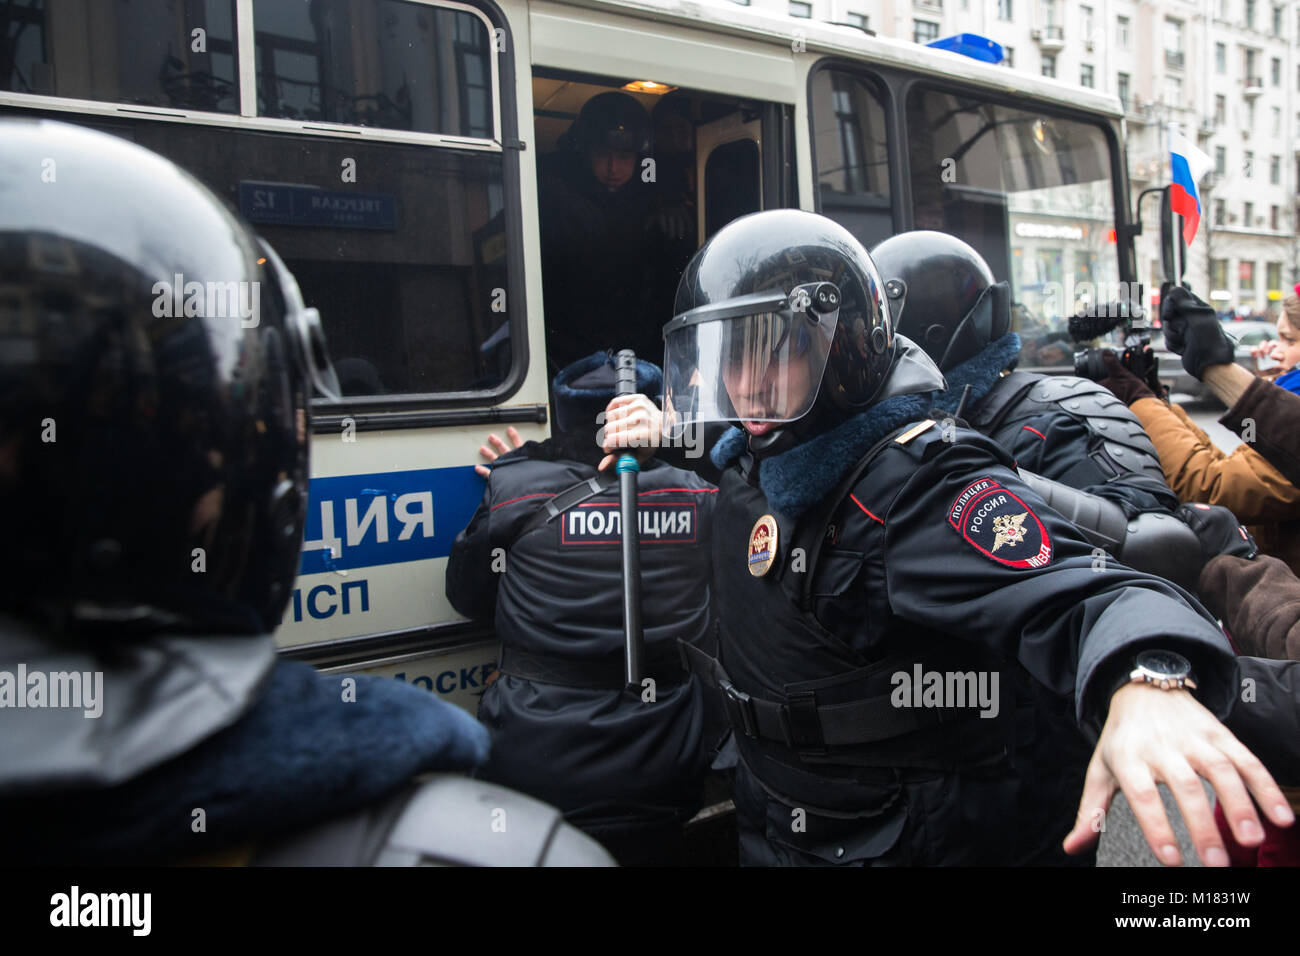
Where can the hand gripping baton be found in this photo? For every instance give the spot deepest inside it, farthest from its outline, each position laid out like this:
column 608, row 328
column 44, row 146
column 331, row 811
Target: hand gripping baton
column 627, row 467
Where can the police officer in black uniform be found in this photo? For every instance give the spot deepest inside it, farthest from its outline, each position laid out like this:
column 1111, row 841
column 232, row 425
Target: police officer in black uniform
column 153, row 479
column 893, row 601
column 542, row 558
column 1063, row 427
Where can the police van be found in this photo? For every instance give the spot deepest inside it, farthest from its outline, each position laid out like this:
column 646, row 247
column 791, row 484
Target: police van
column 389, row 151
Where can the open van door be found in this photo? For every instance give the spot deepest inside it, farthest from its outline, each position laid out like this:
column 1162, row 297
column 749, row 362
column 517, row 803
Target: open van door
column 729, row 170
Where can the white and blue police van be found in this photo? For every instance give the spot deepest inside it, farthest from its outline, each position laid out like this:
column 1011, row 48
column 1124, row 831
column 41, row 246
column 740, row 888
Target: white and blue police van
column 388, row 150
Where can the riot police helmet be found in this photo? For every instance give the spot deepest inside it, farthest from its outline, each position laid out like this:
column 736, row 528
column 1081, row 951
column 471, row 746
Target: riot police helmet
column 779, row 314
column 613, row 121
column 943, row 295
column 156, row 362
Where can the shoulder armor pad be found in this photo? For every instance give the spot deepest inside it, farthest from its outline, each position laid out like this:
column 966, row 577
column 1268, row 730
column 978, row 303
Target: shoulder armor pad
column 1124, row 442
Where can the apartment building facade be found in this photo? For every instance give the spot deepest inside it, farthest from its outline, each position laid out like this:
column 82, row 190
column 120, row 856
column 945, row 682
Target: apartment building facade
column 1226, row 71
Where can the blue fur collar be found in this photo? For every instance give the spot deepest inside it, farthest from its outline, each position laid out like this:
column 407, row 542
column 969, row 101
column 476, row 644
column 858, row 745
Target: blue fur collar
column 979, row 372
column 796, row 480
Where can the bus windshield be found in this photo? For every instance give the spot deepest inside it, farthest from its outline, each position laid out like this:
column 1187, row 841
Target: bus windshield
column 1033, row 193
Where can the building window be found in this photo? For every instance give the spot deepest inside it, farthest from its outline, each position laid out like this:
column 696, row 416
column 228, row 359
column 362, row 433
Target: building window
column 800, row 9
column 1220, row 160
column 1122, row 88
column 1250, row 14
column 1173, row 36
column 923, row 31
column 1275, row 73
column 1277, row 22
column 1248, row 165
column 1273, row 276
column 1222, row 7
column 1121, row 31
column 1004, row 9
column 1277, row 121
column 1250, row 114
column 1085, row 75
column 860, row 20
column 1220, row 111
column 1173, row 91
column 1275, row 170
column 1250, row 215
column 1218, row 212
column 1273, row 217
column 1246, row 276
column 1009, row 56
column 1220, row 58
column 1049, row 64
column 1249, row 61
column 1085, row 18
column 1219, row 274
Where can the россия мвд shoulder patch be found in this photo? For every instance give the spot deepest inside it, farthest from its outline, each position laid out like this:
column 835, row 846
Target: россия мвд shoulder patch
column 997, row 524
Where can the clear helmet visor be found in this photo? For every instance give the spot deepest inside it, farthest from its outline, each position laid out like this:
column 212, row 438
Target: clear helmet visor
column 758, row 358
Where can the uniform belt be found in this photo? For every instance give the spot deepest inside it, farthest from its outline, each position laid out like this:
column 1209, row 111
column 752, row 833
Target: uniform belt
column 588, row 675
column 802, row 724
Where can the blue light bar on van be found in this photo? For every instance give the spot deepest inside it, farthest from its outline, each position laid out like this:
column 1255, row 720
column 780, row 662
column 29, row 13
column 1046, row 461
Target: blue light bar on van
column 972, row 45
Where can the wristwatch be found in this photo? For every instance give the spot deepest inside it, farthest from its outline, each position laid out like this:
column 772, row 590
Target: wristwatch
column 1163, row 669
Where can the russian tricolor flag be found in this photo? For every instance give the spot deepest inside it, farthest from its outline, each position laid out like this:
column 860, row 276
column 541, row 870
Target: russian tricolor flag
column 1187, row 165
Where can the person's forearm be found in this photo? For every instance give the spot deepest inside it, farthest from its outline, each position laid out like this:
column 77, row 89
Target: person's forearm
column 1228, row 382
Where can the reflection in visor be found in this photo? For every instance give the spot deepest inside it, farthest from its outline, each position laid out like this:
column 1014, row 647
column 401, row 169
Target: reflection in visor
column 758, row 368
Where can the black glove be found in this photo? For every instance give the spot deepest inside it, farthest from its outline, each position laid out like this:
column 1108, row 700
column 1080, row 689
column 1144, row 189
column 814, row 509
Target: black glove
column 1128, row 388
column 1218, row 530
column 1193, row 331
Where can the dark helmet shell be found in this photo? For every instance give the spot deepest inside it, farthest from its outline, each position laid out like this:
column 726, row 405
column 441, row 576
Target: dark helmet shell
column 612, row 121
column 945, row 279
column 784, row 248
column 153, row 431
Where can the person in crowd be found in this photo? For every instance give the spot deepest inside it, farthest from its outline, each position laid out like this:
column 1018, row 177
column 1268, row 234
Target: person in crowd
column 1257, row 598
column 1245, row 481
column 1283, row 353
column 541, row 559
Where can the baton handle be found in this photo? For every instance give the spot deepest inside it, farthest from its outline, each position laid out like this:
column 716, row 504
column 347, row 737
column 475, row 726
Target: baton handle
column 627, row 467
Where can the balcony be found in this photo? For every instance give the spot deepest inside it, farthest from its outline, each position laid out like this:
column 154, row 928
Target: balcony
column 933, row 5
column 1174, row 59
column 1050, row 38
column 1207, row 125
column 1254, row 86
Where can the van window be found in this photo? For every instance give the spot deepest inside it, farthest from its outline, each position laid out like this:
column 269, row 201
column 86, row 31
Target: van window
column 387, row 63
column 397, row 239
column 145, row 52
column 850, row 142
column 1033, row 193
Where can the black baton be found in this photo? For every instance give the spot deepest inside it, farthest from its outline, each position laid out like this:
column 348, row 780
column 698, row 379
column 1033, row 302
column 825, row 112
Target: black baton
column 633, row 640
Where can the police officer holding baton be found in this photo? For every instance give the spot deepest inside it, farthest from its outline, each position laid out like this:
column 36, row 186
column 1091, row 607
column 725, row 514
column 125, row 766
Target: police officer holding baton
column 905, row 602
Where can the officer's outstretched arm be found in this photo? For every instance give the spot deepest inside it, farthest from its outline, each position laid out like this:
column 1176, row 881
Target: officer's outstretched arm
column 1016, row 578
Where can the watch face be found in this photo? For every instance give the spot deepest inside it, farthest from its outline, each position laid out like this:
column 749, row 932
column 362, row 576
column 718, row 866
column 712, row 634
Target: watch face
column 1164, row 664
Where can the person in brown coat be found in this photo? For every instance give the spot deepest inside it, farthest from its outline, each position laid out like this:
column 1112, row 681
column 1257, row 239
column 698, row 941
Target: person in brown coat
column 1257, row 599
column 1257, row 481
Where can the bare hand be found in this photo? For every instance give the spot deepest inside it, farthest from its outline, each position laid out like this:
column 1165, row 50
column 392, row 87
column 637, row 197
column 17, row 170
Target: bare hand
column 631, row 421
column 1158, row 736
column 498, row 449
